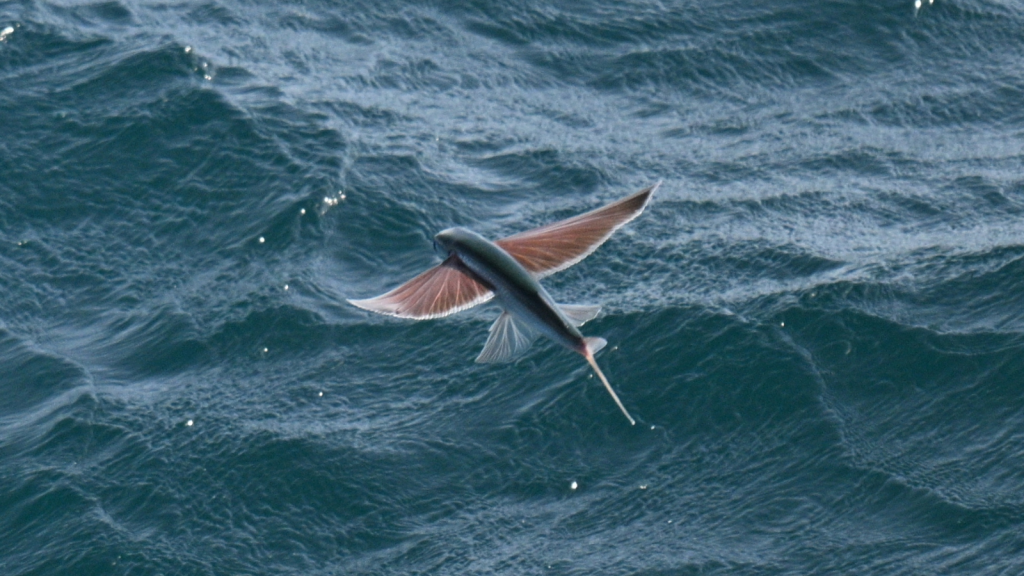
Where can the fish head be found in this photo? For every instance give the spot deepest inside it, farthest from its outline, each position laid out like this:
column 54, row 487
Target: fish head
column 446, row 241
column 442, row 243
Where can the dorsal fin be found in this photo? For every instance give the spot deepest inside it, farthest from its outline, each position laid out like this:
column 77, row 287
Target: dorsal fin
column 557, row 246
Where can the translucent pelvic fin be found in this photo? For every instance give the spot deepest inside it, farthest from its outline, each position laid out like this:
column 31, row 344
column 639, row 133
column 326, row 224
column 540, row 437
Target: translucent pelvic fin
column 508, row 339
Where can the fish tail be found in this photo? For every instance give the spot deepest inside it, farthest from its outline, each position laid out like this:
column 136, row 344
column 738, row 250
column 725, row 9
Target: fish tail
column 589, row 355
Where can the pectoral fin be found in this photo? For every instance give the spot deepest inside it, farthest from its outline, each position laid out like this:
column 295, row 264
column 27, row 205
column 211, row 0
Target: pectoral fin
column 442, row 290
column 549, row 249
column 508, row 339
column 579, row 314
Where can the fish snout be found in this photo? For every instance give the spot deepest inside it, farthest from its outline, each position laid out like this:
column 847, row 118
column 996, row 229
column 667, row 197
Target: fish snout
column 445, row 240
column 440, row 249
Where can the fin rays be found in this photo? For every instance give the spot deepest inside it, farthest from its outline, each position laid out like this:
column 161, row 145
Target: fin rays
column 557, row 246
column 507, row 340
column 442, row 290
column 447, row 288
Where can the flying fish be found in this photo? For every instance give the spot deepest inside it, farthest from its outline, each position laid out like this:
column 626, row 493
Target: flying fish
column 475, row 270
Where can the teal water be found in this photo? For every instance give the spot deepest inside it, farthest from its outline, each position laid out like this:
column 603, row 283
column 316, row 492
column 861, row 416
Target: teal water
column 817, row 323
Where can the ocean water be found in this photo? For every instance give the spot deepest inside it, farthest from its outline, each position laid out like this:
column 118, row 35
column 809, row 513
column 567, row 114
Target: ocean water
column 818, row 322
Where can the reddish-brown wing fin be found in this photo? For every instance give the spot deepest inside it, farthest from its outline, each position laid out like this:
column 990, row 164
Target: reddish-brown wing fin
column 440, row 291
column 557, row 246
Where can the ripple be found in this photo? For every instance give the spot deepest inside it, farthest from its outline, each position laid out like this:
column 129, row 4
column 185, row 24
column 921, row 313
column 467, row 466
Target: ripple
column 817, row 319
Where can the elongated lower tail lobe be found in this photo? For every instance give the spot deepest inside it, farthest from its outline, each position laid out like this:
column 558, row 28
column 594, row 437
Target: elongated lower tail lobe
column 589, row 355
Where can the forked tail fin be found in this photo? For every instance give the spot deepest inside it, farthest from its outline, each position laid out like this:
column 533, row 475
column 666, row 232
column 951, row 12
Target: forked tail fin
column 593, row 345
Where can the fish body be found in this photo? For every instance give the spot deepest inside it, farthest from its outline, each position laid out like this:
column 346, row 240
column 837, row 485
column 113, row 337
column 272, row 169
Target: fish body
column 518, row 292
column 475, row 270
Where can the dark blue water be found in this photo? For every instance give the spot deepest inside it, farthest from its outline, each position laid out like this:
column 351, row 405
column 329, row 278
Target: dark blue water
column 818, row 322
